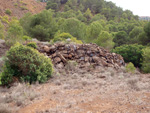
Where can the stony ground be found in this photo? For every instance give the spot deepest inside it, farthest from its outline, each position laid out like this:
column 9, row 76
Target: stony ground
column 99, row 90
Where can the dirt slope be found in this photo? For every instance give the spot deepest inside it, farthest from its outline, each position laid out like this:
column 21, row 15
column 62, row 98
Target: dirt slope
column 20, row 7
column 102, row 90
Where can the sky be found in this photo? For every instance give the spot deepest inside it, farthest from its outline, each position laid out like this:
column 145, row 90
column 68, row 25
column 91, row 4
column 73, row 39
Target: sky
column 138, row 7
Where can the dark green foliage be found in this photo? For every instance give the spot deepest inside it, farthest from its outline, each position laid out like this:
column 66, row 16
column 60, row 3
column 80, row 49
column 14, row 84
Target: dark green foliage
column 26, row 64
column 120, row 38
column 146, row 60
column 32, row 44
column 53, row 4
column 41, row 26
column 147, row 32
column 8, row 11
column 131, row 53
column 143, row 39
column 147, row 29
column 134, row 34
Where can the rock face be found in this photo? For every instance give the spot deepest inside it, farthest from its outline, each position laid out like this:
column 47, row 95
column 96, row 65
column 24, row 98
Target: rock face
column 83, row 54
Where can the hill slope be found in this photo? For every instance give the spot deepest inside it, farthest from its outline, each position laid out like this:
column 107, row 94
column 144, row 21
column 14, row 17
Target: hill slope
column 20, row 7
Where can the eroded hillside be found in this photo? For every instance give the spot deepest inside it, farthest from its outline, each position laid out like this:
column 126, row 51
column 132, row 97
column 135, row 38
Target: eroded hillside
column 20, row 7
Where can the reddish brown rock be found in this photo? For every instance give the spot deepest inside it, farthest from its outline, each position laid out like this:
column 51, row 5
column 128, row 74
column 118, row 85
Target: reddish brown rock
column 84, row 54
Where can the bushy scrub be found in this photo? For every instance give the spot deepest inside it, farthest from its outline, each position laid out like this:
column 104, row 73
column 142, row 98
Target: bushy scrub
column 26, row 38
column 32, row 44
column 73, row 39
column 131, row 53
column 146, row 60
column 8, row 11
column 130, row 67
column 27, row 64
column 63, row 36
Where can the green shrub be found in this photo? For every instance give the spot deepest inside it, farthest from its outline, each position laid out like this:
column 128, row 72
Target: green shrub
column 131, row 53
column 146, row 60
column 15, row 4
column 26, row 64
column 23, row 8
column 73, row 39
column 5, row 19
column 32, row 44
column 63, row 36
column 8, row 11
column 130, row 67
column 26, row 38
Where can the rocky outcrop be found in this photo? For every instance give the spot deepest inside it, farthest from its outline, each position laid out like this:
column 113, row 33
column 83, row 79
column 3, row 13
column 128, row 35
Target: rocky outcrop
column 84, row 54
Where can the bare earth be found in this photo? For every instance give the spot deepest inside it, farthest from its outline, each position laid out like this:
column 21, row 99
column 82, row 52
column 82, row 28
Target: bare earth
column 102, row 90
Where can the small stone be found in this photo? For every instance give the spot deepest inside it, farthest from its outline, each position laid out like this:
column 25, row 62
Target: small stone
column 46, row 49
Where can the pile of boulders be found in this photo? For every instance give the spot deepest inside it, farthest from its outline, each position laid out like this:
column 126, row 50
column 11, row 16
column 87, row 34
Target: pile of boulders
column 83, row 54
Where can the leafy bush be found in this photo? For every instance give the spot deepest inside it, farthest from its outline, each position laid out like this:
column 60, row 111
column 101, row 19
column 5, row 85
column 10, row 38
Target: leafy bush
column 26, row 38
column 73, row 39
column 63, row 36
column 32, row 44
column 15, row 4
column 5, row 19
column 27, row 64
column 23, row 8
column 8, row 11
column 146, row 60
column 131, row 53
column 130, row 68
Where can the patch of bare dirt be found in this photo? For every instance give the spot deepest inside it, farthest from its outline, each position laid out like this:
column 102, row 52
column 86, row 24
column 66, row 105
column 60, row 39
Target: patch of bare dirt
column 20, row 7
